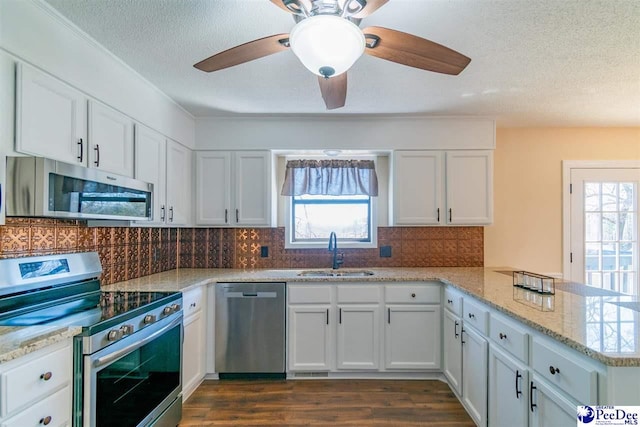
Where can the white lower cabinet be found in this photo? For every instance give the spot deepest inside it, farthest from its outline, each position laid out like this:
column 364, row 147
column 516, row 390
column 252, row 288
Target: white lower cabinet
column 36, row 389
column 474, row 374
column 310, row 338
column 193, row 347
column 548, row 406
column 452, row 349
column 412, row 337
column 358, row 337
column 508, row 390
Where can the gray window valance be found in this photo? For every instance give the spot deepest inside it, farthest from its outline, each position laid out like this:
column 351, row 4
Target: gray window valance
column 330, row 177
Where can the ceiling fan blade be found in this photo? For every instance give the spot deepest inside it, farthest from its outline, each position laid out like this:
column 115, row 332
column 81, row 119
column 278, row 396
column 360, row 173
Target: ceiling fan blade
column 414, row 51
column 294, row 6
column 245, row 52
column 368, row 9
column 334, row 90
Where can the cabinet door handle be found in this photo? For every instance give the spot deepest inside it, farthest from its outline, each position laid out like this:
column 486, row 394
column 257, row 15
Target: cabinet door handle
column 171, row 214
column 472, row 316
column 388, row 315
column 518, row 376
column 455, row 329
column 503, row 336
column 226, row 216
column 554, row 370
column 97, row 150
column 162, row 213
column 340, row 316
column 531, row 404
column 327, row 316
column 449, row 301
column 46, row 376
column 462, row 341
column 81, row 156
column 46, row 420
column 237, row 215
column 413, row 295
column 450, row 215
column 438, row 212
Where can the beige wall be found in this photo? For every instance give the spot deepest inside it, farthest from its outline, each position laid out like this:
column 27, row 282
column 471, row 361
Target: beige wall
column 527, row 229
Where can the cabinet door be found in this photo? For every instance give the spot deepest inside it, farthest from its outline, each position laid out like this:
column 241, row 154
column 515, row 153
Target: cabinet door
column 358, row 337
column 51, row 117
column 548, row 406
column 110, row 140
column 178, row 184
column 213, row 187
column 193, row 353
column 452, row 362
column 310, row 338
column 412, row 337
column 417, row 188
column 252, row 188
column 150, row 166
column 469, row 187
column 474, row 375
column 508, row 391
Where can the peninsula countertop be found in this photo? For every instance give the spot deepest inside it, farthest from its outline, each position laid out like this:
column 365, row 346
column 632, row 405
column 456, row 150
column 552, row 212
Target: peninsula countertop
column 601, row 324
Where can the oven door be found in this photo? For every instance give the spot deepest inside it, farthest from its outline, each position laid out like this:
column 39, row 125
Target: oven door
column 136, row 380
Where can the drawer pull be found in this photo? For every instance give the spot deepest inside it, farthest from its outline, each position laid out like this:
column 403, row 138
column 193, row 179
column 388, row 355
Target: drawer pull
column 518, row 376
column 503, row 336
column 472, row 316
column 413, row 295
column 554, row 370
column 46, row 420
column 193, row 304
column 531, row 404
column 449, row 301
column 46, row 376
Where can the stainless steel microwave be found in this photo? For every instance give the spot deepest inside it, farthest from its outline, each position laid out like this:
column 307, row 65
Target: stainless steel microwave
column 38, row 187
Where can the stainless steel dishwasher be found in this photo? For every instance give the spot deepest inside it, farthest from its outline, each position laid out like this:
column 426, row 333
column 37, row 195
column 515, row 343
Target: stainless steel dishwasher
column 250, row 330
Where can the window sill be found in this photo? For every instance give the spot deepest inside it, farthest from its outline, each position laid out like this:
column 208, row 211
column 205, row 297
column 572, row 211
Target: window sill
column 325, row 245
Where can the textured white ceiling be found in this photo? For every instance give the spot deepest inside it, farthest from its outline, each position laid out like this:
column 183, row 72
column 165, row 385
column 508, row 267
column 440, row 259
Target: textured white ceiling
column 534, row 62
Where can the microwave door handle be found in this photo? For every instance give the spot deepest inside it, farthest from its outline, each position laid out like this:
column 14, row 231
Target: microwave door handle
column 105, row 360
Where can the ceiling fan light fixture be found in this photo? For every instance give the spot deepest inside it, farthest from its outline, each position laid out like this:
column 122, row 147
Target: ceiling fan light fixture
column 327, row 44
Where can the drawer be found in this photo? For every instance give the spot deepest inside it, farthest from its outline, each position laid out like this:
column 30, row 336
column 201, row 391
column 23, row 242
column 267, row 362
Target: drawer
column 412, row 294
column 566, row 370
column 27, row 382
column 357, row 294
column 193, row 300
column 453, row 301
column 56, row 409
column 475, row 314
column 510, row 336
column 309, row 294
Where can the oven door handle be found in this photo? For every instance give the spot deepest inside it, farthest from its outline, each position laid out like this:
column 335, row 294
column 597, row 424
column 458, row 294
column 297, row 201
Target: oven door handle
column 111, row 357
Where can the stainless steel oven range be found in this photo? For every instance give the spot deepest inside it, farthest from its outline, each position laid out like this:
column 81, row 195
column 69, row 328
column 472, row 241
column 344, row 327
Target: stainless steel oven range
column 128, row 358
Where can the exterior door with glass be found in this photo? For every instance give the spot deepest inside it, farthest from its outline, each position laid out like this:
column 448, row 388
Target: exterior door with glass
column 604, row 228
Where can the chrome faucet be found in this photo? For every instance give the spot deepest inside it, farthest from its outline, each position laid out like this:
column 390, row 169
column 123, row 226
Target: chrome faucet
column 333, row 247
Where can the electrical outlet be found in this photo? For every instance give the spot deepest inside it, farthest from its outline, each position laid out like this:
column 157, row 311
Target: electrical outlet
column 264, row 251
column 385, row 251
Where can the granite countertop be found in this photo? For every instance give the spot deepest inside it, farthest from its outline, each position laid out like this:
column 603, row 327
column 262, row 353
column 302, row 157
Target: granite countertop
column 598, row 323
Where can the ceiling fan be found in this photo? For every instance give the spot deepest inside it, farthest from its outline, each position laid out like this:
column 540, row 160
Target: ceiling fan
column 328, row 41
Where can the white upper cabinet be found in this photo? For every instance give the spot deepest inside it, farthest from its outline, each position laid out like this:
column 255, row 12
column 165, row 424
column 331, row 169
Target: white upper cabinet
column 110, row 140
column 179, row 161
column 233, row 188
column 469, row 187
column 51, row 117
column 151, row 166
column 443, row 188
column 417, row 187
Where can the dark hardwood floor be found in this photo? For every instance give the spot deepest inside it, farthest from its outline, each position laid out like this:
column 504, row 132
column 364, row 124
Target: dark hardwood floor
column 324, row 403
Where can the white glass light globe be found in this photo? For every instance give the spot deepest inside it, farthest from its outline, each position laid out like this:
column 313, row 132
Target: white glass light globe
column 327, row 45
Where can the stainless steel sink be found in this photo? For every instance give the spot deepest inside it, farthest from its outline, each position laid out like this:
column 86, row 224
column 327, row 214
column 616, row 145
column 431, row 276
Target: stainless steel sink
column 335, row 273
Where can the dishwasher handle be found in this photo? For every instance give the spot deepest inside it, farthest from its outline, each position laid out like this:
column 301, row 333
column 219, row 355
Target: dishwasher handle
column 251, row 295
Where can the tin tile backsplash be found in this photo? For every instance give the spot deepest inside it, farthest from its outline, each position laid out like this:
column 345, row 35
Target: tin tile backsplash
column 127, row 253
